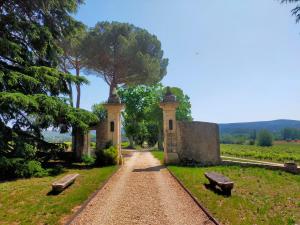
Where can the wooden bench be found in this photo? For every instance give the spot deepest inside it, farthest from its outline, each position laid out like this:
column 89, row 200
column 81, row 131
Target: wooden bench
column 64, row 182
column 216, row 179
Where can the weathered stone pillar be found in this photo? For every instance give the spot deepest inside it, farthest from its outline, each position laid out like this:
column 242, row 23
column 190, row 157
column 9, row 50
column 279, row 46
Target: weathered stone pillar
column 81, row 144
column 114, row 108
column 169, row 105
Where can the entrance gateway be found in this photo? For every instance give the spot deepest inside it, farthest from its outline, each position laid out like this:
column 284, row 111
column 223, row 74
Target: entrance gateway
column 185, row 142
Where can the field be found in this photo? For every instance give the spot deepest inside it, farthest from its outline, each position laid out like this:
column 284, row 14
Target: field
column 260, row 196
column 29, row 201
column 277, row 153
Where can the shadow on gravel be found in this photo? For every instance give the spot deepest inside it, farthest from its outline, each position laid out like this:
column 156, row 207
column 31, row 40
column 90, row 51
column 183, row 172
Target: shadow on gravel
column 149, row 169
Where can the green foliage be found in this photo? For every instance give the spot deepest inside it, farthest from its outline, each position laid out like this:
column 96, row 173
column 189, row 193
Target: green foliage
column 125, row 144
column 264, row 138
column 93, row 145
column 106, row 157
column 142, row 112
column 88, row 160
column 99, row 111
column 72, row 46
column 56, row 170
column 290, row 134
column 143, row 116
column 296, row 10
column 183, row 112
column 158, row 155
column 236, row 139
column 18, row 167
column 34, row 94
column 124, row 54
column 277, row 153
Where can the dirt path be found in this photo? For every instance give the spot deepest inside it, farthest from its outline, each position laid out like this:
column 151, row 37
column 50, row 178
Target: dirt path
column 142, row 192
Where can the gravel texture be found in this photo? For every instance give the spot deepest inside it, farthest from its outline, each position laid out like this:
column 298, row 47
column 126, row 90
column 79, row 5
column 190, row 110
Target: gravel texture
column 142, row 192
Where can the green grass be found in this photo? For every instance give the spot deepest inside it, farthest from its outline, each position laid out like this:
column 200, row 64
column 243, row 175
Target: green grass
column 125, row 144
column 260, row 196
column 159, row 155
column 277, row 153
column 25, row 201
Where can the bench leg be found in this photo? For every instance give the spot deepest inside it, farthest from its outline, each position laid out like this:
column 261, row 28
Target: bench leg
column 227, row 191
column 212, row 184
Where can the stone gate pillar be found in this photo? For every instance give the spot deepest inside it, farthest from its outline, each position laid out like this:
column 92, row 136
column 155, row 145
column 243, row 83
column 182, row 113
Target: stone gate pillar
column 169, row 105
column 114, row 108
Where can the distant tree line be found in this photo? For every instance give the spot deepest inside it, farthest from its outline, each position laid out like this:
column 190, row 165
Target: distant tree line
column 253, row 137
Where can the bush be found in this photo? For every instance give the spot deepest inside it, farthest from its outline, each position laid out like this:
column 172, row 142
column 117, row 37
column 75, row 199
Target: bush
column 20, row 168
column 264, row 138
column 58, row 169
column 34, row 169
column 93, row 145
column 88, row 160
column 107, row 157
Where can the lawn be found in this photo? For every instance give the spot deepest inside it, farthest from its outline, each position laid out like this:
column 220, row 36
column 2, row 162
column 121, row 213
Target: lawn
column 277, row 153
column 159, row 155
column 260, row 196
column 26, row 201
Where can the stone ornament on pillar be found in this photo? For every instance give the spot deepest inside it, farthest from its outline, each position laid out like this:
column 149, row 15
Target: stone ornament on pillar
column 169, row 105
column 114, row 108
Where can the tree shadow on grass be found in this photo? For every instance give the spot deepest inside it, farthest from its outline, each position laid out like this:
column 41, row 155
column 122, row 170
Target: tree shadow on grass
column 150, row 169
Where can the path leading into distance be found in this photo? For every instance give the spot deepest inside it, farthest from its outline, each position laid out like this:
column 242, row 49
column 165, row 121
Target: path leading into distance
column 142, row 193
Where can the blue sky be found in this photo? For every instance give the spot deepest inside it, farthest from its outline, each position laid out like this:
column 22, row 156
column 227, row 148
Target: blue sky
column 237, row 60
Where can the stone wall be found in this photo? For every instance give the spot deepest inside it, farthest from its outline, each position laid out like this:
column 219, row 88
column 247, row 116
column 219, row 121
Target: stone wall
column 198, row 142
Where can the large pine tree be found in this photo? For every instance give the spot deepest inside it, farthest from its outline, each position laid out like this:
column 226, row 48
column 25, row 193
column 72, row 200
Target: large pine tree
column 33, row 93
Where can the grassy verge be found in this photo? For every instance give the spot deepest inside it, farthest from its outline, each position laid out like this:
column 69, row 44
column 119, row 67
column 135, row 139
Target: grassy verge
column 278, row 153
column 159, row 155
column 27, row 201
column 260, row 196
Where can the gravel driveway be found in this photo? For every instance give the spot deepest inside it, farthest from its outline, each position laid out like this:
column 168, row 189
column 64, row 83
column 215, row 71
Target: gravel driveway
column 142, row 192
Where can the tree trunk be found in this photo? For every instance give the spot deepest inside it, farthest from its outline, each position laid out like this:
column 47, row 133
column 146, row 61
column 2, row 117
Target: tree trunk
column 112, row 86
column 71, row 94
column 78, row 89
column 131, row 143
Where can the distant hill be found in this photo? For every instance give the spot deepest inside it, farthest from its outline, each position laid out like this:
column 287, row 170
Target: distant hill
column 56, row 137
column 243, row 128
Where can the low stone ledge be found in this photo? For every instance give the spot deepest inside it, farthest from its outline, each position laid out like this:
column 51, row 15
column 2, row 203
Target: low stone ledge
column 266, row 166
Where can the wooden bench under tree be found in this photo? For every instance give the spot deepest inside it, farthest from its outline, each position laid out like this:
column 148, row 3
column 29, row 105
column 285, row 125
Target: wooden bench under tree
column 64, row 182
column 216, row 179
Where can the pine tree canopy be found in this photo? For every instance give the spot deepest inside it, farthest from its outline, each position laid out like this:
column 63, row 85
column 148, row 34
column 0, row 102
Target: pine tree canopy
column 124, row 54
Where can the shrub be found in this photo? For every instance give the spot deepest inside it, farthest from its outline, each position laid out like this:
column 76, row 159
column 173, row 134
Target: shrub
column 88, row 160
column 264, row 138
column 20, row 168
column 34, row 169
column 93, row 145
column 58, row 169
column 106, row 157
